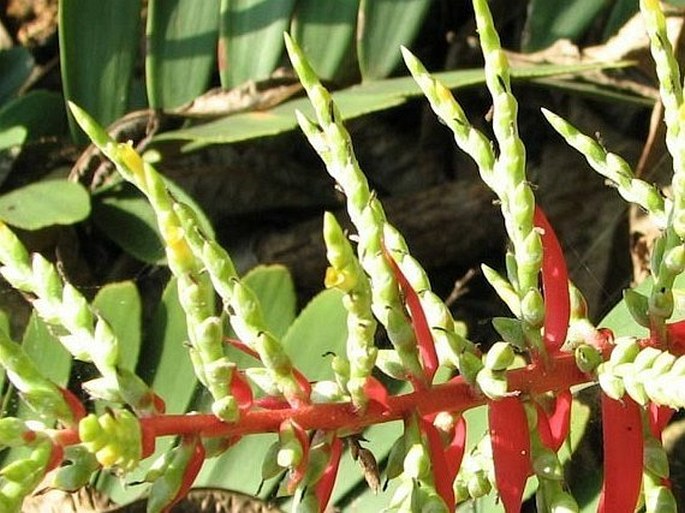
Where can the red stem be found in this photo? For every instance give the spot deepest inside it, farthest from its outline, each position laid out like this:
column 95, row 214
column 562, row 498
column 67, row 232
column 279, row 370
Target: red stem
column 455, row 395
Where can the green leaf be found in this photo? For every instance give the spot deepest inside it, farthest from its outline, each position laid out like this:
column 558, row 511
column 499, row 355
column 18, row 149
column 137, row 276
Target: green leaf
column 45, row 203
column 319, row 329
column 324, row 29
column 16, row 64
column 621, row 12
column 32, row 116
column 550, row 21
column 119, row 304
column 275, row 289
column 181, row 50
column 123, row 214
column 354, row 101
column 46, row 351
column 98, row 44
column 251, row 39
column 385, row 25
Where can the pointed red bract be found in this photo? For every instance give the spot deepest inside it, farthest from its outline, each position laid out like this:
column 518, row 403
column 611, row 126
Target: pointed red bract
column 441, row 474
column 76, row 406
column 240, row 389
column 510, row 439
column 454, row 453
column 554, row 285
column 424, row 338
column 376, row 392
column 324, row 487
column 191, row 471
column 623, row 453
column 297, row 474
column 658, row 418
column 676, row 335
column 554, row 426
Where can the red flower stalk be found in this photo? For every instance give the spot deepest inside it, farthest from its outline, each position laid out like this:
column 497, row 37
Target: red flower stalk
column 324, row 487
column 424, row 338
column 510, row 439
column 554, row 285
column 623, row 453
column 76, row 406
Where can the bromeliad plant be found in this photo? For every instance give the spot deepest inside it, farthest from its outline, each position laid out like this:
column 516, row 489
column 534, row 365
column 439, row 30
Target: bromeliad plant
column 547, row 347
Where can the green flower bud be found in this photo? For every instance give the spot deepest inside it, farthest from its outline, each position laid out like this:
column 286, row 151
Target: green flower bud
column 646, row 358
column 638, row 306
column 325, row 391
column 674, row 260
column 635, row 389
column 499, row 357
column 389, row 361
column 655, row 458
column 417, row 463
column 661, row 303
column 546, row 465
column 289, row 454
column 664, row 362
column 469, row 366
column 678, row 367
column 493, row 384
column 226, row 409
column 478, row 485
column 503, row 288
column 533, row 308
column 660, row 500
column 270, row 468
column 587, row 358
column 625, row 351
column 272, row 354
column 22, row 471
column 13, row 432
column 396, row 456
column 611, row 385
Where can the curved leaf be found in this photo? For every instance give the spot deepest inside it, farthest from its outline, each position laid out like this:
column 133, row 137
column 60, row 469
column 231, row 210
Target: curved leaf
column 98, row 46
column 384, row 26
column 181, row 47
column 353, row 102
column 46, row 203
column 251, row 38
column 324, row 29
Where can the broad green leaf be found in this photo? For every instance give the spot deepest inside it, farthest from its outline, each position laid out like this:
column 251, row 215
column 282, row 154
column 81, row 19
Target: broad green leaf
column 46, row 351
column 319, row 329
column 251, row 39
column 621, row 12
column 275, row 289
column 16, row 64
column 119, row 304
column 45, row 203
column 385, row 25
column 354, row 101
column 324, row 29
column 98, row 44
column 181, row 50
column 126, row 217
column 29, row 117
column 549, row 21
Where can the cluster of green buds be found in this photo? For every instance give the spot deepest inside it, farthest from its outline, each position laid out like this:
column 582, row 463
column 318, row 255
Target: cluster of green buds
column 476, row 476
column 114, row 437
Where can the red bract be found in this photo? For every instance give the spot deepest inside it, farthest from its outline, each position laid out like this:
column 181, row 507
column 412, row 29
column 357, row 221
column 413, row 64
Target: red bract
column 554, row 285
column 454, row 453
column 76, row 406
column 441, row 475
column 376, row 391
column 241, row 390
column 191, row 471
column 424, row 338
column 676, row 335
column 510, row 439
column 623, row 453
column 554, row 426
column 324, row 487
column 298, row 473
column 658, row 418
